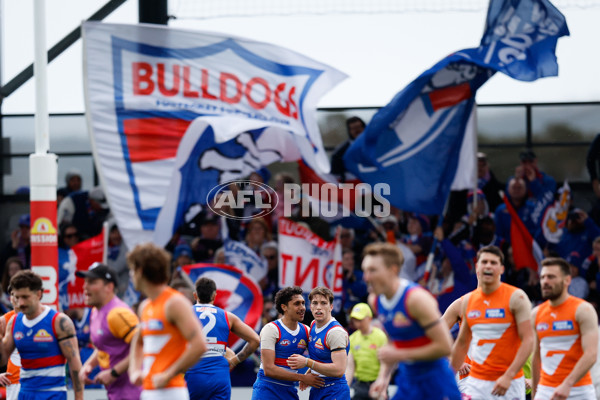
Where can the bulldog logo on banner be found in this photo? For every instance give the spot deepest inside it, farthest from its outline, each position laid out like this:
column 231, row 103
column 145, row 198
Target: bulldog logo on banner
column 145, row 85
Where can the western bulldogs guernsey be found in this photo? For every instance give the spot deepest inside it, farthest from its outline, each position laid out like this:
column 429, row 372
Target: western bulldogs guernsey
column 42, row 361
column 319, row 351
column 209, row 378
column 415, row 379
column 289, row 343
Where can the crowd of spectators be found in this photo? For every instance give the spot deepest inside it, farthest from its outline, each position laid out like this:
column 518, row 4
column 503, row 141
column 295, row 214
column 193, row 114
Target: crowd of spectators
column 474, row 219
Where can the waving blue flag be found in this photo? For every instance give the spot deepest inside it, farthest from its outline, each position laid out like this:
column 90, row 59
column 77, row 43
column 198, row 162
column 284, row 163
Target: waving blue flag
column 415, row 142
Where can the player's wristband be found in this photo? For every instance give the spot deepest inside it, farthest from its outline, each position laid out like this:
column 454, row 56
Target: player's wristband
column 114, row 373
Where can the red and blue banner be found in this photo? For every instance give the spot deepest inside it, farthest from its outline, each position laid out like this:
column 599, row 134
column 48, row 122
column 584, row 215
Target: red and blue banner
column 147, row 86
column 237, row 292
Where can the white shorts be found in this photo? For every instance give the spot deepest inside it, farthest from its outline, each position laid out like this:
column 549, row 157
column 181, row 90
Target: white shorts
column 178, row 393
column 461, row 383
column 477, row 389
column 12, row 391
column 586, row 392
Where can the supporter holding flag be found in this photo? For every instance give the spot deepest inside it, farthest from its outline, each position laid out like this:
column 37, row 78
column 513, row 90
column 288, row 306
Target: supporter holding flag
column 452, row 278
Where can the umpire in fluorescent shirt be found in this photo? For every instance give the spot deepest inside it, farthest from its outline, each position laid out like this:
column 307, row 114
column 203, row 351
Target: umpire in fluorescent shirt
column 363, row 365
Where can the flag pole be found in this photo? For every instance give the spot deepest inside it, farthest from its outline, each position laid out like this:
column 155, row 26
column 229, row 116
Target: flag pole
column 431, row 255
column 105, row 233
column 475, row 169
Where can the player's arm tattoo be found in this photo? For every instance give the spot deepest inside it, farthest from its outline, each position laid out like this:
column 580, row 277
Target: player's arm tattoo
column 244, row 353
column 77, row 386
column 66, row 326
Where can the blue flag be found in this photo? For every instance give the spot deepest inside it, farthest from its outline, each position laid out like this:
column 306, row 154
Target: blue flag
column 415, row 142
column 520, row 38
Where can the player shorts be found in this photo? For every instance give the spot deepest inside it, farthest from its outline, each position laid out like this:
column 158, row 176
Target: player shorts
column 176, row 393
column 586, row 392
column 209, row 386
column 478, row 389
column 262, row 390
column 431, row 381
column 462, row 383
column 12, row 391
column 43, row 395
column 337, row 391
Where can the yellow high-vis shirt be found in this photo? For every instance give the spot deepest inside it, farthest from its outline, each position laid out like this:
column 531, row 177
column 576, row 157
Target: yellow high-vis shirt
column 364, row 351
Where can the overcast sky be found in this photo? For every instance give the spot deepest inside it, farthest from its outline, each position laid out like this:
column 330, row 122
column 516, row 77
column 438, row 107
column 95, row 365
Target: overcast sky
column 381, row 53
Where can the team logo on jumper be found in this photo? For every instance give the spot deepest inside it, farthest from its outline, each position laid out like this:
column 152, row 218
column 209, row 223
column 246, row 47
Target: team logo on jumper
column 494, row 313
column 542, row 326
column 400, row 319
column 474, row 314
column 562, row 326
column 42, row 336
column 285, row 342
column 319, row 344
column 301, row 344
column 154, row 325
column 19, row 335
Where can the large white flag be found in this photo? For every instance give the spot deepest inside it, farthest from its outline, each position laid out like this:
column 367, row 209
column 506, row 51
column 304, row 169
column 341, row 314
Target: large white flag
column 146, row 84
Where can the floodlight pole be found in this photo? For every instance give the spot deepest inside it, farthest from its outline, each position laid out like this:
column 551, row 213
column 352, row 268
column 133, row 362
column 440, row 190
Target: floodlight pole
column 43, row 170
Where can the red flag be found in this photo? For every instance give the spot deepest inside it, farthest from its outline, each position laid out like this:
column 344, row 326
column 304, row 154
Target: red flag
column 526, row 251
column 83, row 255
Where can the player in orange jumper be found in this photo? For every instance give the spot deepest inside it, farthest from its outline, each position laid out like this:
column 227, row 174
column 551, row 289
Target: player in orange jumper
column 11, row 378
column 170, row 339
column 497, row 327
column 566, row 338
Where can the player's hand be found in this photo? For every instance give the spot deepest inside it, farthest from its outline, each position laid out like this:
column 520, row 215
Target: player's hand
column 4, row 381
column 136, row 377
column 302, row 386
column 296, row 361
column 378, row 389
column 83, row 374
column 104, row 377
column 464, row 369
column 501, row 386
column 527, row 384
column 160, row 380
column 313, row 380
column 561, row 392
column 388, row 354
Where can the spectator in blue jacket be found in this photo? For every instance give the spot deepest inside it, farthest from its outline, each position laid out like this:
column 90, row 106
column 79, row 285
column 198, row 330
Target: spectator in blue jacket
column 451, row 278
column 517, row 195
column 538, row 183
column 576, row 242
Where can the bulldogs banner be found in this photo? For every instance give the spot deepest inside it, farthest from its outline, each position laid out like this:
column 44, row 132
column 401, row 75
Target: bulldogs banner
column 145, row 85
column 237, row 292
column 308, row 261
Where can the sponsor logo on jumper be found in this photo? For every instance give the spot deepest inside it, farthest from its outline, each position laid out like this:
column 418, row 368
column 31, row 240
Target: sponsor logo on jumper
column 562, row 326
column 494, row 313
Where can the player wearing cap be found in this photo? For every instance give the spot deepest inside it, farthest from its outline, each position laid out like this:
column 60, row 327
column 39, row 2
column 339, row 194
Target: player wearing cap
column 170, row 339
column 363, row 365
column 112, row 326
column 209, row 378
column 567, row 338
column 45, row 339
